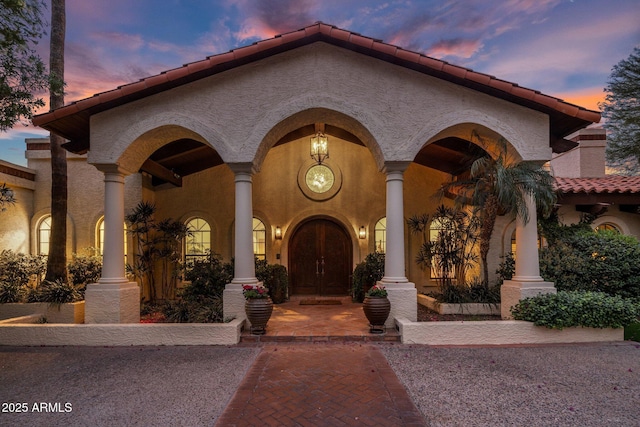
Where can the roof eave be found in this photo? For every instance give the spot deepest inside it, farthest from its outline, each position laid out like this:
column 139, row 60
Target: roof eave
column 72, row 121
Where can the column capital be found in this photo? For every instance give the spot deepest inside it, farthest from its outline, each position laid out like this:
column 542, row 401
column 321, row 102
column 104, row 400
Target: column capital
column 395, row 166
column 244, row 168
column 112, row 168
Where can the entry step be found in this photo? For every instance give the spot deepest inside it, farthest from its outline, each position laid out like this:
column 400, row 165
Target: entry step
column 390, row 336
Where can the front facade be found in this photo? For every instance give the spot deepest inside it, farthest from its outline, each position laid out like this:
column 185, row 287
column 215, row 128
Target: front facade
column 224, row 143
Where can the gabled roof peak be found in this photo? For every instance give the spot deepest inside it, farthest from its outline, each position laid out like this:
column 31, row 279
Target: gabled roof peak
column 72, row 120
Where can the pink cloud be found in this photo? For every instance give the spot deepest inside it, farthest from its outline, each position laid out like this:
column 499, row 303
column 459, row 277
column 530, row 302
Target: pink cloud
column 454, row 47
column 266, row 19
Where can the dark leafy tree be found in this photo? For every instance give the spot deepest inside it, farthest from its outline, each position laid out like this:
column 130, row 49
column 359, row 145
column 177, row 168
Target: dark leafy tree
column 622, row 112
column 22, row 72
column 6, row 197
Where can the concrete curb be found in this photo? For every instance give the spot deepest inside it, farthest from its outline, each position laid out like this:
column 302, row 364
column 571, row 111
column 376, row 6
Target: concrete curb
column 499, row 332
column 122, row 334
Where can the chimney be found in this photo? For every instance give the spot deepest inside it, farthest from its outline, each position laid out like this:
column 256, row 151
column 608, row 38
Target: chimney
column 587, row 160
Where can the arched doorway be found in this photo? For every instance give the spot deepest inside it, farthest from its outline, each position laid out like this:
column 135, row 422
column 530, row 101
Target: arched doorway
column 320, row 259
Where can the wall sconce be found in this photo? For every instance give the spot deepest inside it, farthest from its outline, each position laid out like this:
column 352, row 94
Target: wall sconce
column 278, row 233
column 362, row 233
column 319, row 147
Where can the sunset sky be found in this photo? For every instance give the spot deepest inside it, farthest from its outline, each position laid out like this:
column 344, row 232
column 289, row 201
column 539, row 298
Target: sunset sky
column 563, row 48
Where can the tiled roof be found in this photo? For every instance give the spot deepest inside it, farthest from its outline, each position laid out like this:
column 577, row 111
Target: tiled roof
column 604, row 185
column 72, row 121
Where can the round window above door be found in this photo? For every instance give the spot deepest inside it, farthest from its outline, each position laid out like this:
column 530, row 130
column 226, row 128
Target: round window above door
column 319, row 181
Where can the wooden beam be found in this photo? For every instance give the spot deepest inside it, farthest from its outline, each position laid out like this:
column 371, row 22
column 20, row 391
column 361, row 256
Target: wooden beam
column 630, row 208
column 595, row 209
column 158, row 171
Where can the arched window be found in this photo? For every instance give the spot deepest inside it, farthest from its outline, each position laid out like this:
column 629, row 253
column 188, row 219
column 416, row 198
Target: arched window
column 198, row 242
column 259, row 239
column 438, row 226
column 44, row 235
column 100, row 238
column 380, row 235
column 609, row 227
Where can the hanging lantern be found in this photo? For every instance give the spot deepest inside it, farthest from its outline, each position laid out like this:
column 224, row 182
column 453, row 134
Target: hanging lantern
column 319, row 147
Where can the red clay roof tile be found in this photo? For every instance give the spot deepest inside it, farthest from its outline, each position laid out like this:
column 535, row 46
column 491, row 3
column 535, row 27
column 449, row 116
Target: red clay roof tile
column 432, row 63
column 340, row 34
column 407, row 55
column 331, row 32
column 269, row 43
column 601, row 185
column 385, row 48
column 194, row 67
column 361, row 41
column 130, row 88
column 454, row 70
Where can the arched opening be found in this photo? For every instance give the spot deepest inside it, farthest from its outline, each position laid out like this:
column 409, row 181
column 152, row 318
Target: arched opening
column 320, row 258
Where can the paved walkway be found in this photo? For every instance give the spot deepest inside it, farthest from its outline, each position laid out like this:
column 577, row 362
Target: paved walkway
column 321, row 385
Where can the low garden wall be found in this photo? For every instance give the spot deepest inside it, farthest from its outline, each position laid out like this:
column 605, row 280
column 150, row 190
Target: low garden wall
column 471, row 309
column 121, row 334
column 72, row 312
column 498, row 332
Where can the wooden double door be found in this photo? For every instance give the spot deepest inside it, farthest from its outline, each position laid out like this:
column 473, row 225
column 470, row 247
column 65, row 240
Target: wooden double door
column 320, row 257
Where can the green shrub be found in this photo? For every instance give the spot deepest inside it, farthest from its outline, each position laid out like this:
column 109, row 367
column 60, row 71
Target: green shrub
column 56, row 293
column 200, row 300
column 632, row 332
column 366, row 274
column 600, row 262
column 202, row 310
column 84, row 269
column 275, row 279
column 474, row 292
column 577, row 308
column 207, row 277
column 507, row 268
column 22, row 269
column 11, row 292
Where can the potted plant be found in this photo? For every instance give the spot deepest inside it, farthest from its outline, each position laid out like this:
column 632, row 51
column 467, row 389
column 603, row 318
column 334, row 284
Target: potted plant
column 258, row 307
column 376, row 307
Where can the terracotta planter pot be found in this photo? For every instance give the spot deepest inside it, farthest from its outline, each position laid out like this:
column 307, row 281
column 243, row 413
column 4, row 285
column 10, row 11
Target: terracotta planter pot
column 258, row 313
column 377, row 310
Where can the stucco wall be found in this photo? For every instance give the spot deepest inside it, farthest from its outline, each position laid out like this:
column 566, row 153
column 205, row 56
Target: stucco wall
column 628, row 223
column 85, row 201
column 14, row 221
column 396, row 110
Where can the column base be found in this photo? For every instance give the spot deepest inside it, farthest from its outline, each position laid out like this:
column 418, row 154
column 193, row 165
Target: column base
column 512, row 291
column 233, row 303
column 403, row 297
column 112, row 303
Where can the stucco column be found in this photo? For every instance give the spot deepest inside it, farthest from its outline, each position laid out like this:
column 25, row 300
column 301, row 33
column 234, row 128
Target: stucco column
column 113, row 254
column 402, row 293
column 527, row 281
column 394, row 254
column 113, row 299
column 244, row 263
column 527, row 262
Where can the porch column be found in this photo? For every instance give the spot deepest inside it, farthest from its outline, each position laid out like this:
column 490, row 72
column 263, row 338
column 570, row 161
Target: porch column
column 527, row 281
column 244, row 263
column 113, row 299
column 402, row 293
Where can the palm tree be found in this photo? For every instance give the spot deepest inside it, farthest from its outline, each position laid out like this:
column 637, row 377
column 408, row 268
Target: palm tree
column 57, row 259
column 501, row 185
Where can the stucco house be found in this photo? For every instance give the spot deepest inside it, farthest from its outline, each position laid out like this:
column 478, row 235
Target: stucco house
column 223, row 145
